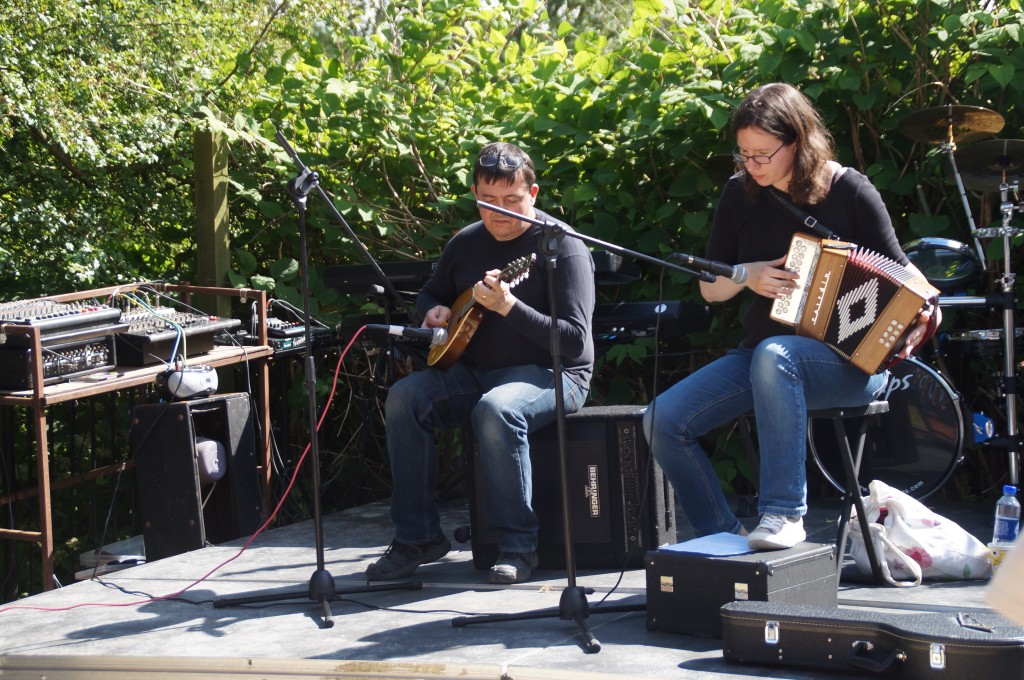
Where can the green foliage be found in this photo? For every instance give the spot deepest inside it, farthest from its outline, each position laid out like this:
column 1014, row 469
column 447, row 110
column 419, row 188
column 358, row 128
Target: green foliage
column 96, row 123
column 629, row 130
column 627, row 121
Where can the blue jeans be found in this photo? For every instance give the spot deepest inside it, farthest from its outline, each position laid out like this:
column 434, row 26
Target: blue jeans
column 503, row 406
column 779, row 380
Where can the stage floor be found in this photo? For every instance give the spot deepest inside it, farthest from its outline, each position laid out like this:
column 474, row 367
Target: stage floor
column 118, row 626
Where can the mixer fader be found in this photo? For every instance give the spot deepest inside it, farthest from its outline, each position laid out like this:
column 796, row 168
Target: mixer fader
column 161, row 334
column 60, row 322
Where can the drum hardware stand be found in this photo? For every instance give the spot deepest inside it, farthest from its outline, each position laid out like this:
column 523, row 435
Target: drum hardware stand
column 573, row 605
column 949, row 148
column 1008, row 383
column 322, row 587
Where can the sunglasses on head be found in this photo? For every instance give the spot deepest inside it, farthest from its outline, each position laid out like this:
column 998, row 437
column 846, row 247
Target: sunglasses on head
column 491, row 160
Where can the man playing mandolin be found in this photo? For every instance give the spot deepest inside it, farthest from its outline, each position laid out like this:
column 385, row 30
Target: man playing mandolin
column 494, row 372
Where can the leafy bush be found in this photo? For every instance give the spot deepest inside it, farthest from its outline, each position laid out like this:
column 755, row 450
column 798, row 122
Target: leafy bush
column 629, row 131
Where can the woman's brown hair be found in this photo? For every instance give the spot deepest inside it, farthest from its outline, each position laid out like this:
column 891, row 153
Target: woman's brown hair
column 784, row 112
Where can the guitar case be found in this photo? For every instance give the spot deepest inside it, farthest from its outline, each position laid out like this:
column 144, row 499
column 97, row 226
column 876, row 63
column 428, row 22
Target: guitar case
column 916, row 646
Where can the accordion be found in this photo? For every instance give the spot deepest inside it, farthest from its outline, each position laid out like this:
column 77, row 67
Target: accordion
column 859, row 303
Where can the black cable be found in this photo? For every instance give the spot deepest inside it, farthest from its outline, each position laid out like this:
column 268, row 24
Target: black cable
column 150, row 596
column 298, row 313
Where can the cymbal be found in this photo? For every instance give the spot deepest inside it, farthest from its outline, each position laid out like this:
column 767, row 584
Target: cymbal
column 970, row 124
column 985, row 165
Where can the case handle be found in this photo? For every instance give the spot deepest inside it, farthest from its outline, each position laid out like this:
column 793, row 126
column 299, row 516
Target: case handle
column 859, row 657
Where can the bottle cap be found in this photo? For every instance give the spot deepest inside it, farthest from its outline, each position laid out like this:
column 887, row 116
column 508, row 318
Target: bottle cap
column 1009, row 490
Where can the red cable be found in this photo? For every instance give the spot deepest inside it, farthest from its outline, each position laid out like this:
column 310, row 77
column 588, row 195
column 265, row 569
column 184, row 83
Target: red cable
column 277, row 508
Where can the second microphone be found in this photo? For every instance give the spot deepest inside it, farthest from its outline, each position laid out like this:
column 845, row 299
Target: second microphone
column 436, row 336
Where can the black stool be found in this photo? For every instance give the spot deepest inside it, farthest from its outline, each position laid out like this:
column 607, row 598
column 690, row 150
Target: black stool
column 851, row 458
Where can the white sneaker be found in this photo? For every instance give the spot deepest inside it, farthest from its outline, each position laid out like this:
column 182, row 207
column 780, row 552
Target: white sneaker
column 777, row 532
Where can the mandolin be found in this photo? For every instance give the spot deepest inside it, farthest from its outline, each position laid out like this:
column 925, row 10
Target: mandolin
column 467, row 314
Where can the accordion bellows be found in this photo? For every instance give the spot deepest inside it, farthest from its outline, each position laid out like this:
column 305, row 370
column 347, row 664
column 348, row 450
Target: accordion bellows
column 859, row 303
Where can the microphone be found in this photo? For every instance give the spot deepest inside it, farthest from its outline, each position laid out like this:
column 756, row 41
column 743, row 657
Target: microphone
column 437, row 336
column 736, row 274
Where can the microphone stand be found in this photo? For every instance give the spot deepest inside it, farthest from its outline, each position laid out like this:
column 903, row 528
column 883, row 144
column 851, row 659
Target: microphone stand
column 322, row 587
column 573, row 605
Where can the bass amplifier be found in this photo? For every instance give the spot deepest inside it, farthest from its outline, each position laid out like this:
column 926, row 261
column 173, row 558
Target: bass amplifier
column 620, row 501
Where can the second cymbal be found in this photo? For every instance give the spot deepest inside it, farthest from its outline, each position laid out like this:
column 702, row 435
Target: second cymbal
column 985, row 165
column 970, row 124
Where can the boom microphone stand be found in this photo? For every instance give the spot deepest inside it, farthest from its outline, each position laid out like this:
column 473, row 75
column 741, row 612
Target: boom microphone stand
column 322, row 587
column 573, row 605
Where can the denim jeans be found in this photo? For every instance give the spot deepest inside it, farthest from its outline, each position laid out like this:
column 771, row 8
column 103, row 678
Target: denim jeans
column 503, row 406
column 779, row 380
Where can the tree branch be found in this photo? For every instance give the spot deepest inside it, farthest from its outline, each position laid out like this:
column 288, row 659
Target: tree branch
column 57, row 152
column 252, row 48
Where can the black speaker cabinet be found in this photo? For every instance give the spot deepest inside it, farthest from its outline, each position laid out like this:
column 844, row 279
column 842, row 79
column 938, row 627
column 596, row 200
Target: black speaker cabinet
column 621, row 503
column 179, row 511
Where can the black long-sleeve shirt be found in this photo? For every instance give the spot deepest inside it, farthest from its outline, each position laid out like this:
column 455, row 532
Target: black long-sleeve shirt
column 524, row 335
column 747, row 230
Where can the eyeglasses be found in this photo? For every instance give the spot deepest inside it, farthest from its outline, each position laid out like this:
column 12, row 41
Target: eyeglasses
column 491, row 160
column 760, row 160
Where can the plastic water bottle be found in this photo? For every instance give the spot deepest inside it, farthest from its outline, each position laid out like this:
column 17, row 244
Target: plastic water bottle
column 1007, row 517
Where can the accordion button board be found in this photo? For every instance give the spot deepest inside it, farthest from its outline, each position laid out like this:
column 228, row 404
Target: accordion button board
column 802, row 258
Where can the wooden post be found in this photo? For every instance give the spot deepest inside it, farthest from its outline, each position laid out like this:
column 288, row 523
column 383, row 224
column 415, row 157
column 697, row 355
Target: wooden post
column 213, row 240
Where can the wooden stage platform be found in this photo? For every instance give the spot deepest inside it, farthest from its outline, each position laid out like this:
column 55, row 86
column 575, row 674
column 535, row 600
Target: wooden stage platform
column 123, row 625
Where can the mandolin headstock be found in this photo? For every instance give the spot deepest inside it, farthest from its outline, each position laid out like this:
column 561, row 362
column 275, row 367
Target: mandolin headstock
column 517, row 269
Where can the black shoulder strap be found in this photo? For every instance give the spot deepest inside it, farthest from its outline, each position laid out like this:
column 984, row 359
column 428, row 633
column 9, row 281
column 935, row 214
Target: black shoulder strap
column 802, row 216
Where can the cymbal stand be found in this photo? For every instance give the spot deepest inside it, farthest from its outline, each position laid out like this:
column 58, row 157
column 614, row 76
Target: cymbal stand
column 950, row 148
column 1009, row 383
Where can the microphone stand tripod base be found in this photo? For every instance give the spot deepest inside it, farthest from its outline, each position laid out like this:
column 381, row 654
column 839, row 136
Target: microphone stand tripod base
column 572, row 606
column 322, row 589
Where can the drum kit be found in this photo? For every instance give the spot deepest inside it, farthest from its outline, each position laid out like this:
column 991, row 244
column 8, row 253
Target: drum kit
column 918, row 445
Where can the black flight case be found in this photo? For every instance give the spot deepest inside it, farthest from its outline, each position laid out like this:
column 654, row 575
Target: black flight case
column 907, row 646
column 685, row 591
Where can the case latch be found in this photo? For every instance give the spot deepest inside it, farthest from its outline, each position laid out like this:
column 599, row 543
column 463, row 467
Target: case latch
column 771, row 632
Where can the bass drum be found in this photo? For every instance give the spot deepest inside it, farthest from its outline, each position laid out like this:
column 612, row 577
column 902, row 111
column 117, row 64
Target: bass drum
column 949, row 265
column 915, row 447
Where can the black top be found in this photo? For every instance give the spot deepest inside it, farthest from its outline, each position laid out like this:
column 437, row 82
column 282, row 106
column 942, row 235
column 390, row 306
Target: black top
column 756, row 230
column 524, row 336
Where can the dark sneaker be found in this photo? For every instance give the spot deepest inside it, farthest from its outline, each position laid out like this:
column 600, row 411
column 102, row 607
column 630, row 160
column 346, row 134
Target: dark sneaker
column 400, row 559
column 513, row 567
